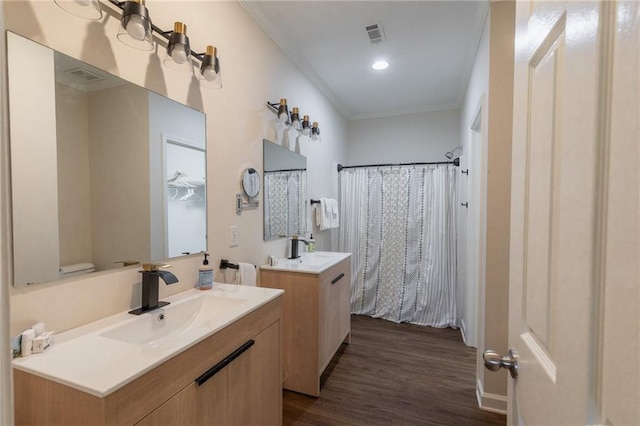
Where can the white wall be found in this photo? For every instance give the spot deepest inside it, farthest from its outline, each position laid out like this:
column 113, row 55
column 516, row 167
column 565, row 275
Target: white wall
column 254, row 71
column 170, row 120
column 469, row 280
column 119, row 176
column 6, row 385
column 490, row 92
column 74, row 206
column 407, row 138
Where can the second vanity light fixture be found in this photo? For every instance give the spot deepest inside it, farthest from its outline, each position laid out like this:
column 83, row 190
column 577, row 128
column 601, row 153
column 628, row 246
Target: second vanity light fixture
column 136, row 30
column 292, row 120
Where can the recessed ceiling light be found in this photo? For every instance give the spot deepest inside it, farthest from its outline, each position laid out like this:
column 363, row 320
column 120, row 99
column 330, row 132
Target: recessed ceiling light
column 380, row 65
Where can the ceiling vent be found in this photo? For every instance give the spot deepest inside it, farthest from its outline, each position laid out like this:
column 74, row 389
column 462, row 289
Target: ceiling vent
column 84, row 75
column 375, row 33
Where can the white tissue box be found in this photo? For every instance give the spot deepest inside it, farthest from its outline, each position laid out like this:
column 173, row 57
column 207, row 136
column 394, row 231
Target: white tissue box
column 43, row 341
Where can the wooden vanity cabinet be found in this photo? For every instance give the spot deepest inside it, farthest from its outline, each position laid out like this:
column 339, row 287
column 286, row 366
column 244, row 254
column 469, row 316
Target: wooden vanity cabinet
column 316, row 320
column 245, row 390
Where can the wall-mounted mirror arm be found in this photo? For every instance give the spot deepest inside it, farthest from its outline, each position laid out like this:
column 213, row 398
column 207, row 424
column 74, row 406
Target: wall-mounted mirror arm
column 242, row 205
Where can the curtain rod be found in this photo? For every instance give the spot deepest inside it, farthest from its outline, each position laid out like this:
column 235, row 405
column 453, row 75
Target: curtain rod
column 285, row 170
column 455, row 162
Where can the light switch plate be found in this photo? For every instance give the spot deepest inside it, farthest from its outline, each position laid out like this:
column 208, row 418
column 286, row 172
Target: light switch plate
column 234, row 236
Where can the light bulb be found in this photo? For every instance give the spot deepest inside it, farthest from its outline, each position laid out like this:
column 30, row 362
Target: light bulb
column 380, row 65
column 209, row 74
column 179, row 54
column 283, row 116
column 135, row 28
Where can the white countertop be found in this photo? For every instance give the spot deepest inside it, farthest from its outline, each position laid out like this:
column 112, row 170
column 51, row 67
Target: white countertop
column 84, row 359
column 309, row 263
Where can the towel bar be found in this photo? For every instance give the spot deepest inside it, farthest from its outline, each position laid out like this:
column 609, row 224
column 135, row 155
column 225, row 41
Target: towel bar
column 225, row 264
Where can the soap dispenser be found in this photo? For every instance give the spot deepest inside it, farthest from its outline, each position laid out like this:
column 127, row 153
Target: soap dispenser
column 312, row 244
column 205, row 275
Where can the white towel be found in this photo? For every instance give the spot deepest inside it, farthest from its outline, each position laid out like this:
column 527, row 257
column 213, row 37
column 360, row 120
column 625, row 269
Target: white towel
column 327, row 214
column 323, row 216
column 246, row 274
column 335, row 219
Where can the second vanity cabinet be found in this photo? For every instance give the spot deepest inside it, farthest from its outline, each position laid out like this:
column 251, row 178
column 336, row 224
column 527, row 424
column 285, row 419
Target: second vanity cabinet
column 232, row 377
column 316, row 321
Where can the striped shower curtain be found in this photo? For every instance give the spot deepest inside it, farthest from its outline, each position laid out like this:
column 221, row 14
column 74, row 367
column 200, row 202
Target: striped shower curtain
column 399, row 225
column 284, row 203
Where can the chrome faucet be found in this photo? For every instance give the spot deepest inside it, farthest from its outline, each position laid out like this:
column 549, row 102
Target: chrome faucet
column 294, row 246
column 150, row 273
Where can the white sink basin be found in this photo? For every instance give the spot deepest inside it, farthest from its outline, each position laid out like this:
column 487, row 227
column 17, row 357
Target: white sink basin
column 174, row 319
column 313, row 259
column 102, row 356
column 314, row 262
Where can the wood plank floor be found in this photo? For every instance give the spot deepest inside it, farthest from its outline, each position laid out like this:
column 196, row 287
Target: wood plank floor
column 394, row 374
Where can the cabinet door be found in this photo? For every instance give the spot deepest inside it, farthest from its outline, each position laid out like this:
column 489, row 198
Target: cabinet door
column 255, row 389
column 182, row 408
column 344, row 303
column 328, row 330
column 194, row 405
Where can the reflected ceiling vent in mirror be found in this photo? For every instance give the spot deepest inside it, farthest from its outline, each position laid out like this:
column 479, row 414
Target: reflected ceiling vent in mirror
column 178, row 55
column 83, row 75
column 87, row 9
column 135, row 26
column 210, row 69
column 375, row 33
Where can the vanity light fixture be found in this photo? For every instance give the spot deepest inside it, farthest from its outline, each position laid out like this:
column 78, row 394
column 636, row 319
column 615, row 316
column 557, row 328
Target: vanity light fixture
column 209, row 73
column 178, row 55
column 136, row 30
column 295, row 119
column 306, row 127
column 303, row 127
column 315, row 131
column 135, row 25
column 87, row 9
column 283, row 112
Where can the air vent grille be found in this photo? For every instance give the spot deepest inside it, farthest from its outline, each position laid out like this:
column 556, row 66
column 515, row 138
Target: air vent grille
column 375, row 33
column 84, row 75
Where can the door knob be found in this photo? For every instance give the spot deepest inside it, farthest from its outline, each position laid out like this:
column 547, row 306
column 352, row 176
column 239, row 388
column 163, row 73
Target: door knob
column 494, row 362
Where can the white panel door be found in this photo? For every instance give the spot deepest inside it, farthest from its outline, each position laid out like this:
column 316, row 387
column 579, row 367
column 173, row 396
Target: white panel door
column 573, row 302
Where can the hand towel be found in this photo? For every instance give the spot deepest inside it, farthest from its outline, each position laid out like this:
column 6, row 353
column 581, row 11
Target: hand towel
column 246, row 274
column 323, row 215
column 334, row 215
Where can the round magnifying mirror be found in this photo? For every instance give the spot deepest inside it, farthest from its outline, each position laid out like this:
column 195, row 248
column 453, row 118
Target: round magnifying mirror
column 251, row 182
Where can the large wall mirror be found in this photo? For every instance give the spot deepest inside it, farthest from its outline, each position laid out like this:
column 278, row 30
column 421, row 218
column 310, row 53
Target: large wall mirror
column 285, row 192
column 104, row 173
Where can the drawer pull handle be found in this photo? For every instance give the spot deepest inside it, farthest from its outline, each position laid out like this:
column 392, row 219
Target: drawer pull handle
column 336, row 279
column 222, row 364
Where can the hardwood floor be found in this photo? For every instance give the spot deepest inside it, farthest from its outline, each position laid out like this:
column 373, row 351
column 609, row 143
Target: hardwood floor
column 394, row 374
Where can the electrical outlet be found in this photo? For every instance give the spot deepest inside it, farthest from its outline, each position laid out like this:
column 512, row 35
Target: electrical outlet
column 234, row 236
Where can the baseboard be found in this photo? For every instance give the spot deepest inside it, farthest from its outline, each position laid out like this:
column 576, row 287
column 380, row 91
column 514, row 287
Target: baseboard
column 490, row 401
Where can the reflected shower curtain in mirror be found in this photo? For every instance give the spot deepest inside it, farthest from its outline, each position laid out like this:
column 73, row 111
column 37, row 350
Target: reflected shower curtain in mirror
column 399, row 224
column 284, row 203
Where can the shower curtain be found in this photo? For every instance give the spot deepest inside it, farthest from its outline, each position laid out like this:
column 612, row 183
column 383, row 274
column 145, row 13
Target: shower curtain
column 284, row 206
column 399, row 225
